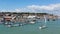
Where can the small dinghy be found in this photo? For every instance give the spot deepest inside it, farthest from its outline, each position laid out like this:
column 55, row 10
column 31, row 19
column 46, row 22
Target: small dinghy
column 8, row 25
column 32, row 22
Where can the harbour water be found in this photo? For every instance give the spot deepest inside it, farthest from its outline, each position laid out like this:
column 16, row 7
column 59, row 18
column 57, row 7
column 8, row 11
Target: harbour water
column 53, row 27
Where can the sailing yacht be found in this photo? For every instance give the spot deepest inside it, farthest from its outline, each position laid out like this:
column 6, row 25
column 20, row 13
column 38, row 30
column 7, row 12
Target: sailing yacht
column 44, row 26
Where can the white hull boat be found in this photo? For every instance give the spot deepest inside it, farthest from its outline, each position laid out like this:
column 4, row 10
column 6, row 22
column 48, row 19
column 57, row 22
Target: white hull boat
column 32, row 22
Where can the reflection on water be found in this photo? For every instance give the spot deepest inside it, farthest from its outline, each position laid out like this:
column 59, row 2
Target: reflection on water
column 53, row 27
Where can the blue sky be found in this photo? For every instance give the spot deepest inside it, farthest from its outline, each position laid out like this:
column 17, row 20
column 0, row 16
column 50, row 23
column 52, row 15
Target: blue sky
column 12, row 4
column 47, row 6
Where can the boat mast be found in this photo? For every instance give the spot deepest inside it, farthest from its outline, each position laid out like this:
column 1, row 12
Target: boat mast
column 45, row 20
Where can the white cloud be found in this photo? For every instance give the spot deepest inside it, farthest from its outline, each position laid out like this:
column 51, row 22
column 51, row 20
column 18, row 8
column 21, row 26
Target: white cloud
column 52, row 8
column 45, row 7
